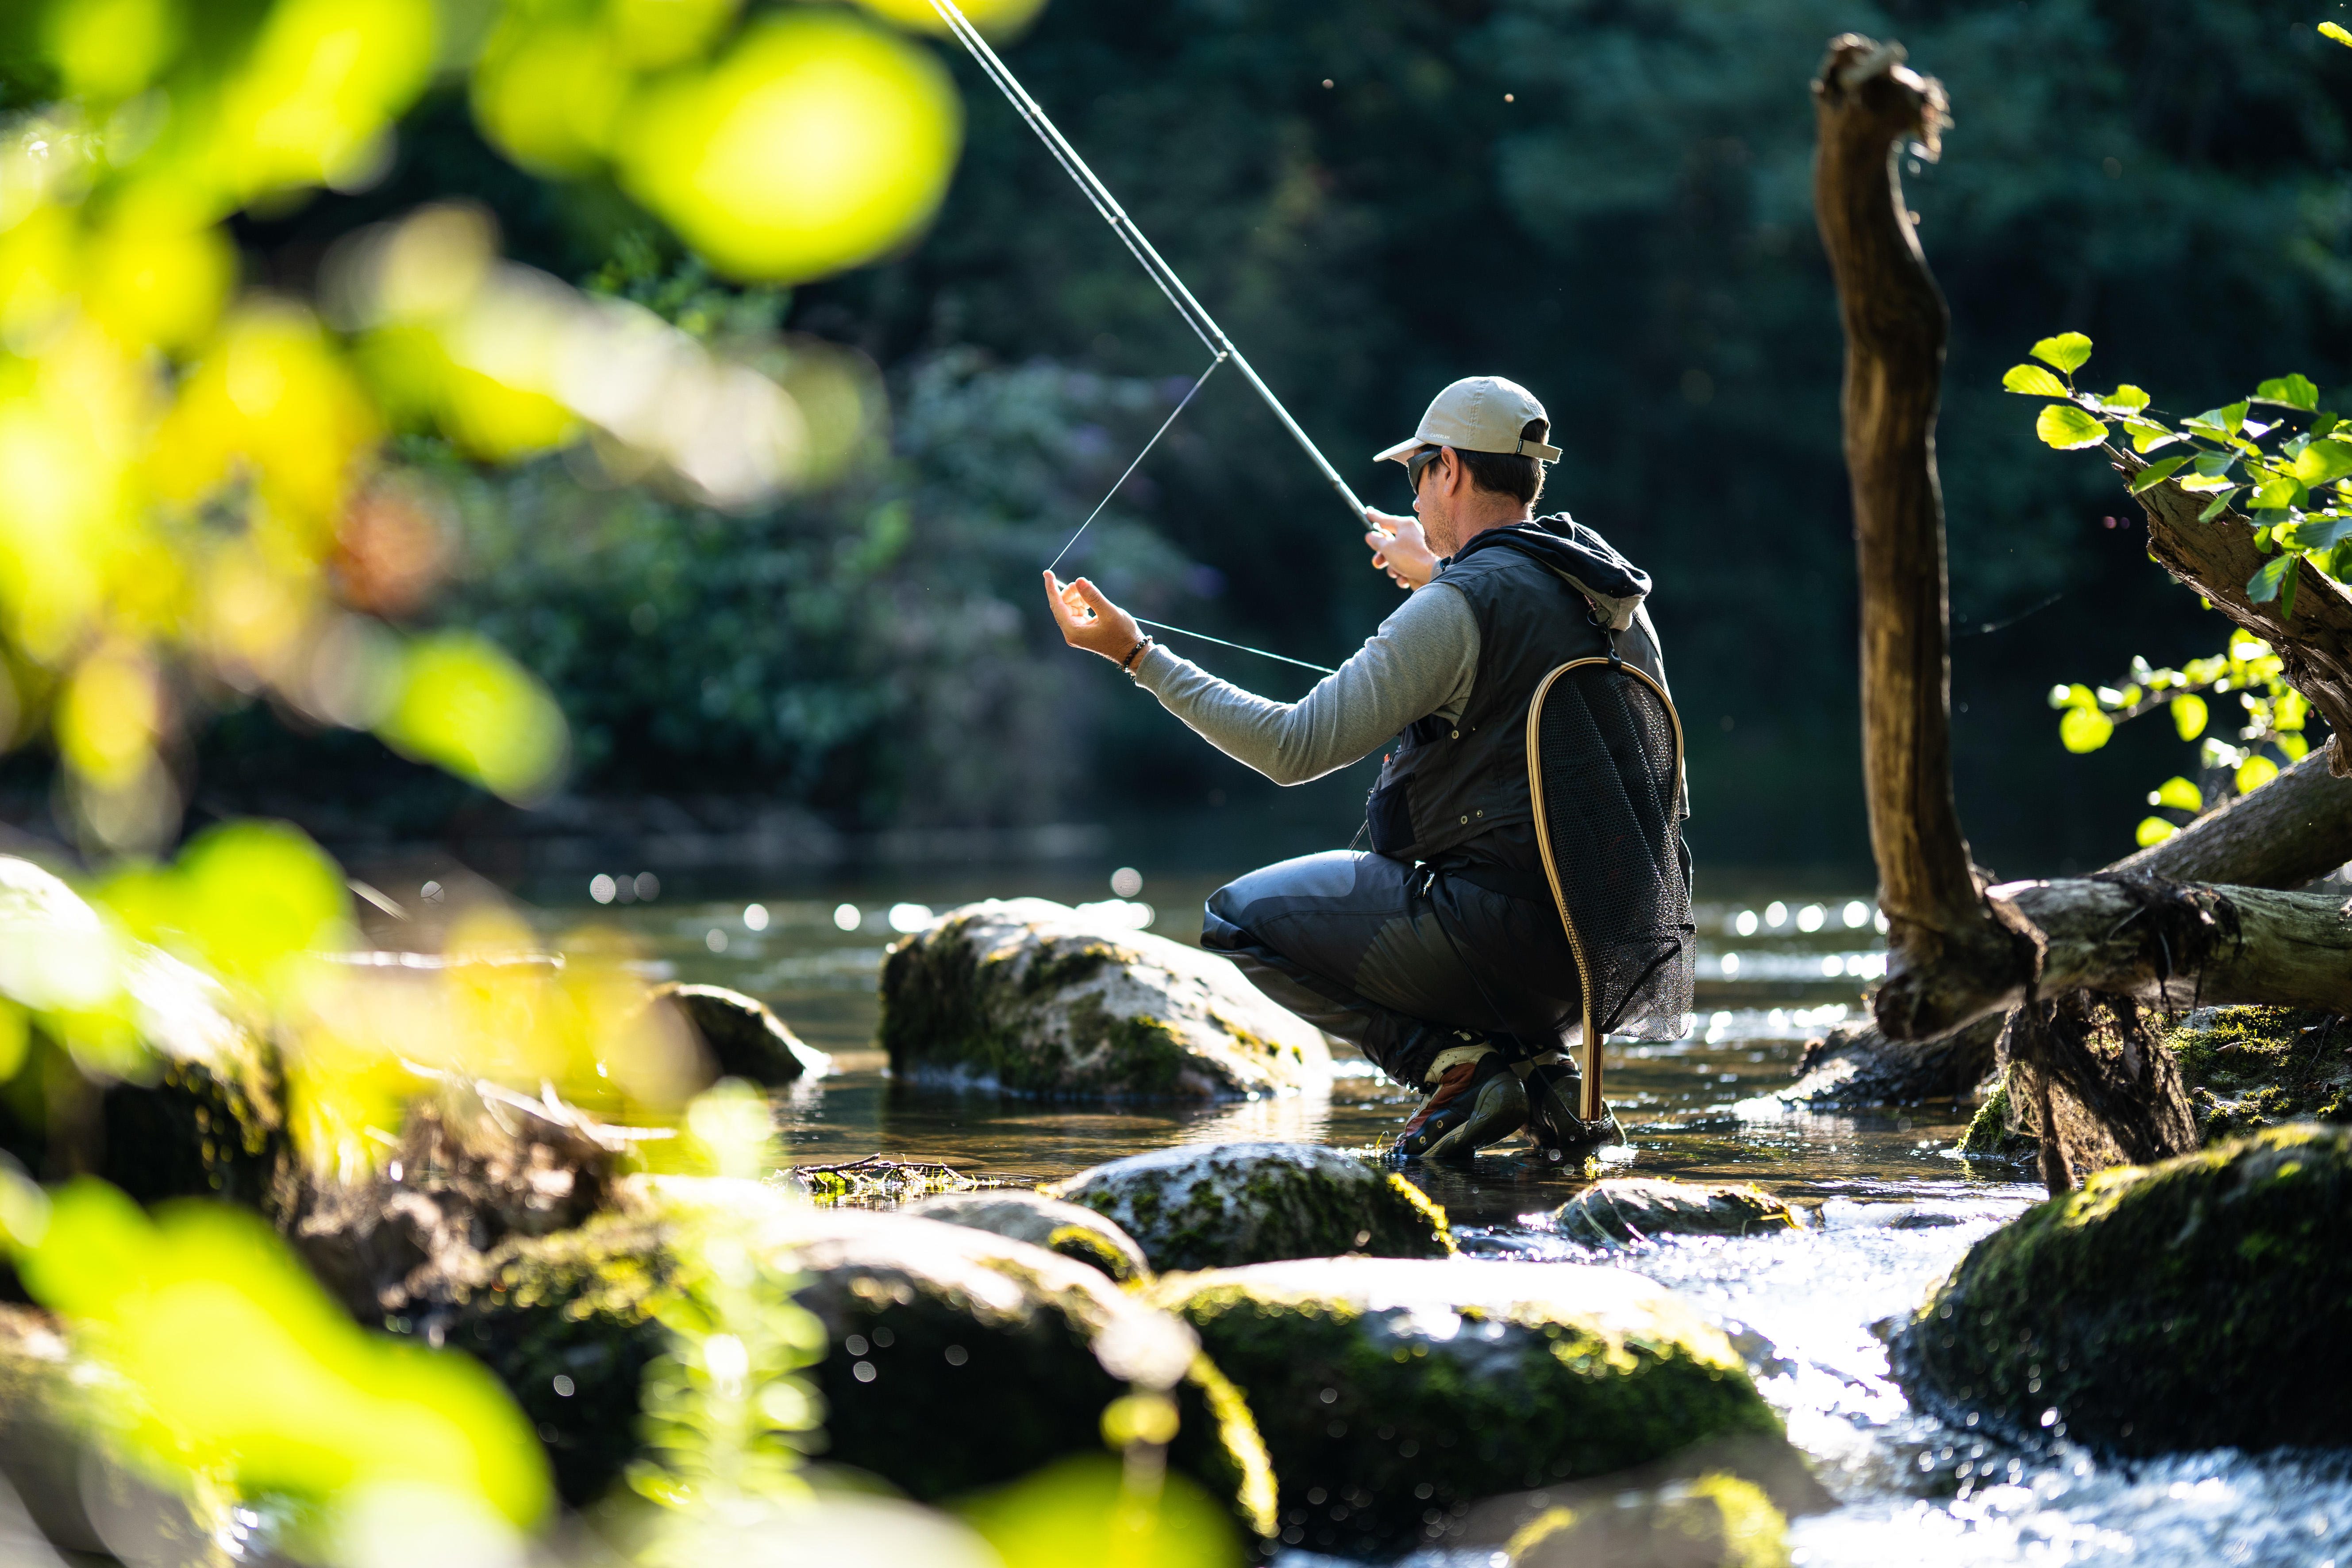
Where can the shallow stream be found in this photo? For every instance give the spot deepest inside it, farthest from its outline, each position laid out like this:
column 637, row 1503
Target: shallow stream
column 1892, row 1207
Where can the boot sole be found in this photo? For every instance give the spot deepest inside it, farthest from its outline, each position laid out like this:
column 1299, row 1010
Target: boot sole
column 1500, row 1110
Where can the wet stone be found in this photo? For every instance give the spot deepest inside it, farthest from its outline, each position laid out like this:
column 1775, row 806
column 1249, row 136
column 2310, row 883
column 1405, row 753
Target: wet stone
column 1635, row 1209
column 745, row 1036
column 1073, row 1232
column 2203, row 1303
column 1217, row 1205
column 1394, row 1394
column 1028, row 997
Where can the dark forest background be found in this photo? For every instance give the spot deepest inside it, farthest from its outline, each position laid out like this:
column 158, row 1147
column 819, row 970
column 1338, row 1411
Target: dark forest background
column 1606, row 200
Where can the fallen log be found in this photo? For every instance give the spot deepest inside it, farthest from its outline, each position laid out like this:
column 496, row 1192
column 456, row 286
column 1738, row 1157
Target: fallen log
column 2291, row 831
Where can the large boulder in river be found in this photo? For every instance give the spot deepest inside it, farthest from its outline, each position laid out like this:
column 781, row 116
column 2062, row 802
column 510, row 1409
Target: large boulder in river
column 1041, row 1221
column 1216, row 1206
column 1393, row 1393
column 956, row 1359
column 2204, row 1302
column 1029, row 997
column 745, row 1036
column 1639, row 1208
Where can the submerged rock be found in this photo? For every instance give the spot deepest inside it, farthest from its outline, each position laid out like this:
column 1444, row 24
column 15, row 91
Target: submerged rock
column 958, row 1358
column 745, row 1036
column 1041, row 1221
column 1216, row 1206
column 2202, row 1302
column 1636, row 1208
column 1027, row 996
column 1394, row 1394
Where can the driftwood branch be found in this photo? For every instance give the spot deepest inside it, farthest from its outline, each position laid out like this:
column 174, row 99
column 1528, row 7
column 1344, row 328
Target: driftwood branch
column 2217, row 559
column 2291, row 831
column 1868, row 106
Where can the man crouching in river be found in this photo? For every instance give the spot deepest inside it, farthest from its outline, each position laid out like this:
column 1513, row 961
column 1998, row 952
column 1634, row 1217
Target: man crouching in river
column 1440, row 953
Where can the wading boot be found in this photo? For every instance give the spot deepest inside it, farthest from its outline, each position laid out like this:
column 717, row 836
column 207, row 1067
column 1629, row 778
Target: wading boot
column 1474, row 1100
column 1555, row 1091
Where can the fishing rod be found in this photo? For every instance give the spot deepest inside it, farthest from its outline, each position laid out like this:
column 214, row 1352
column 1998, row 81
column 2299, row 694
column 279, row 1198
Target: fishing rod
column 1203, row 324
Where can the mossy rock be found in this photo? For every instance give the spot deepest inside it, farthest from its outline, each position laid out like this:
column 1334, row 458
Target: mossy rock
column 1394, row 1394
column 2251, row 1067
column 745, row 1036
column 1041, row 1221
column 1218, row 1206
column 1629, row 1209
column 984, row 1358
column 1028, row 997
column 2199, row 1303
column 194, row 1103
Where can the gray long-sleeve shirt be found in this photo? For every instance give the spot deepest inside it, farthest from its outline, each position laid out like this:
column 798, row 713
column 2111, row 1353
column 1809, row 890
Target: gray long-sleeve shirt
column 1422, row 660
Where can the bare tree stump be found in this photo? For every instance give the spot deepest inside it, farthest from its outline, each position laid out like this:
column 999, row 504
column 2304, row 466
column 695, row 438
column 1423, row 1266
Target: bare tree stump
column 1867, row 107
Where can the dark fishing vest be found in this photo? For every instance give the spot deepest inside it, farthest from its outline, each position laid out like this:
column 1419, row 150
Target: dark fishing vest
column 1446, row 784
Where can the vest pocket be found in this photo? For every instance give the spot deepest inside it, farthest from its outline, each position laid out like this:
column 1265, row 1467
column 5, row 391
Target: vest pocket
column 1388, row 812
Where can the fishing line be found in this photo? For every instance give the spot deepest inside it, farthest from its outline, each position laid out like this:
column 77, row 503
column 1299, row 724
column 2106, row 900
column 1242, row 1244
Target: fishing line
column 1179, row 407
column 1106, row 206
column 1245, row 648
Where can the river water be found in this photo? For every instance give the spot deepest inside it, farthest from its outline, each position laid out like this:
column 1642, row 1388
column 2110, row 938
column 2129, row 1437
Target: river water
column 1892, row 1207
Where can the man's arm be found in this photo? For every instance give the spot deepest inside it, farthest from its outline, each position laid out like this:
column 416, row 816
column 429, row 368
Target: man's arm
column 1422, row 661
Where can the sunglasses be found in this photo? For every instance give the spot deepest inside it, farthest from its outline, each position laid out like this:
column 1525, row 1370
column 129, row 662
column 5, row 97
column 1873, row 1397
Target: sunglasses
column 1416, row 463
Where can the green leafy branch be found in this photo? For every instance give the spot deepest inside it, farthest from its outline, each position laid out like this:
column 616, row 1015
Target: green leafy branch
column 2276, row 717
column 2277, row 449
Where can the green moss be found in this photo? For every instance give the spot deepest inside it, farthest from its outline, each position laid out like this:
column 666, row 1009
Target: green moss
column 2202, row 1302
column 1368, row 1408
column 1989, row 1136
column 2251, row 1067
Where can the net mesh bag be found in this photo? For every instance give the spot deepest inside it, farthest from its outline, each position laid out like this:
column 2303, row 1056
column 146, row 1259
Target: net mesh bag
column 1604, row 757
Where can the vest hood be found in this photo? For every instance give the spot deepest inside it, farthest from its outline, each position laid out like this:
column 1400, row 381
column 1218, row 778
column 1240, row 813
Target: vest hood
column 1589, row 562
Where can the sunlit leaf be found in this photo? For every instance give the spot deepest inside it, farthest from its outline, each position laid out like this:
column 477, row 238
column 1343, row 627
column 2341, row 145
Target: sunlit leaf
column 2155, row 474
column 2321, row 462
column 2033, row 382
column 816, row 144
column 1071, row 1515
column 108, row 50
column 2314, row 533
column 997, row 18
column 2265, row 584
column 2085, row 729
column 2278, row 492
column 2330, row 30
column 549, row 91
column 2178, row 793
column 2294, row 391
column 2254, row 773
column 245, row 1369
column 2218, row 505
column 2292, row 743
column 2188, row 715
column 2067, row 351
column 465, row 705
column 2128, row 397
column 2153, row 830
column 322, row 85
column 2068, row 428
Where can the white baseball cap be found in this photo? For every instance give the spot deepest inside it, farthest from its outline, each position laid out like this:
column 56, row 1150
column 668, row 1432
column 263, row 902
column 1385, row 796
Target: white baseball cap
column 1478, row 414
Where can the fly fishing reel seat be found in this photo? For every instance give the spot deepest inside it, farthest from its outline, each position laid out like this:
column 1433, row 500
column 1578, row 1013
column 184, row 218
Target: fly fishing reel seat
column 1605, row 769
